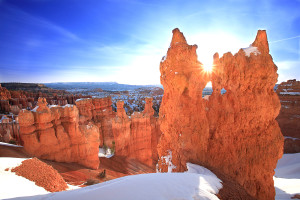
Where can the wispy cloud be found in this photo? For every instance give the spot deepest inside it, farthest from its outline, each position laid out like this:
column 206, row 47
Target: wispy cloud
column 284, row 39
column 28, row 18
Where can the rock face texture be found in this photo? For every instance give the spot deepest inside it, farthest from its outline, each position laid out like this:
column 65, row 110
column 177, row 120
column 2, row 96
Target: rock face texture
column 42, row 174
column 56, row 134
column 4, row 93
column 235, row 133
column 137, row 136
column 99, row 112
column 289, row 116
column 9, row 130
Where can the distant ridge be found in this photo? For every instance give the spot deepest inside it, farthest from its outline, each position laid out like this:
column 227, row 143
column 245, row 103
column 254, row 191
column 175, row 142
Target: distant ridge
column 110, row 86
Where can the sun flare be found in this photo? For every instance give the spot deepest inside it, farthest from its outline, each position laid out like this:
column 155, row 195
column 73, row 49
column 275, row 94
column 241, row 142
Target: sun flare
column 207, row 68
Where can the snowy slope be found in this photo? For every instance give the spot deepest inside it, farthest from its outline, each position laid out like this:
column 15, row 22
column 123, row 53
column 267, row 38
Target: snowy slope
column 198, row 183
column 287, row 176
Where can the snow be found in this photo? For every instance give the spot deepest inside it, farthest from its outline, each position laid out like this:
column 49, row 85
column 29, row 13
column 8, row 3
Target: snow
column 7, row 144
column 34, row 110
column 68, row 105
column 287, row 176
column 206, row 97
column 198, row 183
column 290, row 93
column 285, row 106
column 82, row 99
column 250, row 50
column 3, row 117
column 16, row 186
column 106, row 154
column 168, row 161
column 12, row 185
column 89, row 126
column 52, row 106
column 288, row 137
column 287, row 89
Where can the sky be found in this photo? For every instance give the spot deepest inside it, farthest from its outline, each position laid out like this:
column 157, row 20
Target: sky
column 124, row 41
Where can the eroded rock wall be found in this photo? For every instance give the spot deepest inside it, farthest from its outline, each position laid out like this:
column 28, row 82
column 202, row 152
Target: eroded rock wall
column 55, row 134
column 235, row 133
column 98, row 111
column 289, row 116
column 137, row 136
column 4, row 93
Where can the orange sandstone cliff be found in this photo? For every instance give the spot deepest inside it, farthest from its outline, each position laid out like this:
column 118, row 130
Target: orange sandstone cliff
column 99, row 112
column 137, row 136
column 289, row 116
column 236, row 132
column 55, row 134
column 4, row 93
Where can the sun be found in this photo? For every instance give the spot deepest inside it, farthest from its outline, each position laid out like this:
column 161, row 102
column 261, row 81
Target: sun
column 207, row 68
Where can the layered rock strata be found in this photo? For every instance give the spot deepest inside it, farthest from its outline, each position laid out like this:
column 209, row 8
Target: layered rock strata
column 9, row 130
column 136, row 136
column 98, row 111
column 289, row 116
column 55, row 134
column 235, row 133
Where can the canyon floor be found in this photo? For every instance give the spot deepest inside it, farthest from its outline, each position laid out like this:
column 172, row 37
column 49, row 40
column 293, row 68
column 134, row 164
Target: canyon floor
column 147, row 185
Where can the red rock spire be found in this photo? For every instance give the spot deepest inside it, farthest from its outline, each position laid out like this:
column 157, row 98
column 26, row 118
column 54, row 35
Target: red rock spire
column 178, row 37
column 261, row 41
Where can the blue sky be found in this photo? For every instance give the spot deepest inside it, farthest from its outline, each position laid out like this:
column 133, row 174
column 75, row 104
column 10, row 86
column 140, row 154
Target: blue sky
column 124, row 40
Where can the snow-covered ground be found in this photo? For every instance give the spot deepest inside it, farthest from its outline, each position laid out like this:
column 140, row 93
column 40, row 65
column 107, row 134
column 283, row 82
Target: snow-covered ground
column 105, row 152
column 287, row 176
column 197, row 183
column 7, row 144
column 147, row 186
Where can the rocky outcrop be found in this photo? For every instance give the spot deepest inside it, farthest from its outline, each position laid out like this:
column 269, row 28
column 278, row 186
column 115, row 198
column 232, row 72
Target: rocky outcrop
column 136, row 136
column 98, row 111
column 102, row 117
column 4, row 93
column 9, row 130
column 235, row 133
column 289, row 116
column 54, row 133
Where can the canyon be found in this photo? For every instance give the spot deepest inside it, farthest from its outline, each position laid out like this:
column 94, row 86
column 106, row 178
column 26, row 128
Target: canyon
column 55, row 134
column 74, row 133
column 233, row 130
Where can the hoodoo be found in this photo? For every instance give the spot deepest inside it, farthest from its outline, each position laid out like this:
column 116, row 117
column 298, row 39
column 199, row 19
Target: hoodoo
column 235, row 133
column 55, row 134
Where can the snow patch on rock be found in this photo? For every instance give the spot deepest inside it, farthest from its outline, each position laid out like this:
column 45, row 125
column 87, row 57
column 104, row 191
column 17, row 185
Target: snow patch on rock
column 168, row 161
column 250, row 50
